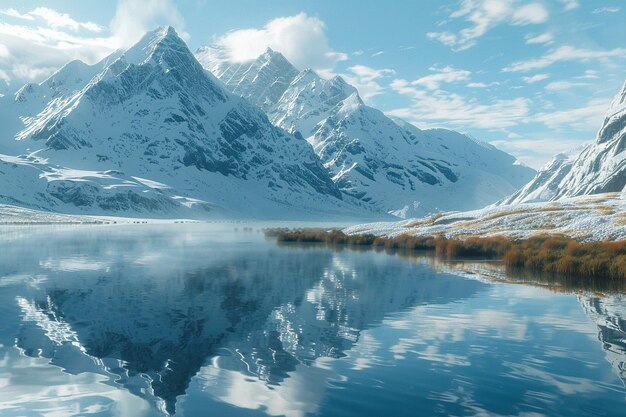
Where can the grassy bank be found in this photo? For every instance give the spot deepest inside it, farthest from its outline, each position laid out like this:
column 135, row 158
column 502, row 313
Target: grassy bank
column 598, row 261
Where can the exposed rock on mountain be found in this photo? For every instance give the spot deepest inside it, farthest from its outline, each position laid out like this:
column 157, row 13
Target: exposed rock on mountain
column 386, row 165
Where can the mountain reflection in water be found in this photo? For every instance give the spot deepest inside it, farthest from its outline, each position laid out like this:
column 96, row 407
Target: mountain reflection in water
column 167, row 312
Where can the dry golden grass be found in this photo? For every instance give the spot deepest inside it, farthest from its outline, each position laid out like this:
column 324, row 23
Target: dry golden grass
column 546, row 253
column 428, row 221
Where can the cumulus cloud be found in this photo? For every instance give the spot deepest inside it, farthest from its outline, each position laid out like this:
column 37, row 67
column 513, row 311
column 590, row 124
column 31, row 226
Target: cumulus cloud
column 4, row 51
column 301, row 39
column 484, row 15
column 35, row 43
column 133, row 18
column 570, row 4
column 4, row 77
column 530, row 14
column 563, row 53
column 37, row 51
column 53, row 19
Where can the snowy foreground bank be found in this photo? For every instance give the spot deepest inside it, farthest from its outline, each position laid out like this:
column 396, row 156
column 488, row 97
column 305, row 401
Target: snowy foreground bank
column 592, row 217
column 14, row 215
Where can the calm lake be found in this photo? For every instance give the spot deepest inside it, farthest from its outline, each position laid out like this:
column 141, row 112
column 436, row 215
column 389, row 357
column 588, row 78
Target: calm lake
column 200, row 320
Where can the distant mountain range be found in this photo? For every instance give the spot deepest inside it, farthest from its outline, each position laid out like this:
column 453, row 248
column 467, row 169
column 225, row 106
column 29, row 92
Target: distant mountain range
column 157, row 131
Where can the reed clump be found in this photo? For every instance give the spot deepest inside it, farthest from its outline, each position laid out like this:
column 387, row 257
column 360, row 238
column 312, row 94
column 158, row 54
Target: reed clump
column 551, row 254
column 560, row 255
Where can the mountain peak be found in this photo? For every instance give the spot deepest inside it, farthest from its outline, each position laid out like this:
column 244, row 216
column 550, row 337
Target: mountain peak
column 163, row 32
column 164, row 38
column 619, row 102
column 338, row 79
column 352, row 103
column 278, row 60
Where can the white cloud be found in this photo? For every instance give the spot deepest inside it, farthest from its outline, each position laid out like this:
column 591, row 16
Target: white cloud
column 4, row 51
column 606, row 10
column 589, row 75
column 36, row 52
column 24, row 72
column 14, row 13
column 535, row 78
column 301, row 38
column 45, row 39
column 530, row 14
column 483, row 15
column 535, row 150
column 564, row 53
column 442, row 75
column 477, row 85
column 133, row 18
column 4, row 77
column 365, row 79
column 579, row 118
column 563, row 85
column 58, row 20
column 570, row 4
column 451, row 109
column 53, row 19
column 377, row 53
column 543, row 38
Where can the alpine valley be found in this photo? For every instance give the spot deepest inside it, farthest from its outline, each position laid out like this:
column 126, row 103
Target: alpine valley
column 154, row 131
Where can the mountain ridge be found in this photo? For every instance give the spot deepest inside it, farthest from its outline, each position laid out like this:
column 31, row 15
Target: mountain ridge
column 154, row 112
column 374, row 160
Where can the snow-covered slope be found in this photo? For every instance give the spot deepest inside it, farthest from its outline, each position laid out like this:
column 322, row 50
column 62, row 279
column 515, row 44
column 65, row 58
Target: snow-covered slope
column 599, row 167
column 262, row 81
column 386, row 165
column 545, row 185
column 594, row 217
column 31, row 182
column 154, row 113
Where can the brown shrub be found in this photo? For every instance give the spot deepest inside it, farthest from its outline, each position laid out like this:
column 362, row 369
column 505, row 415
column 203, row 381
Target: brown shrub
column 541, row 253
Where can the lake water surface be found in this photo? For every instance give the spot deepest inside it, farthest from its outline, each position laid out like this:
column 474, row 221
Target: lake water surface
column 198, row 320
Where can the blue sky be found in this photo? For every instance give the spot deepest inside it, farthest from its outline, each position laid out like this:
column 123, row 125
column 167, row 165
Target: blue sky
column 533, row 77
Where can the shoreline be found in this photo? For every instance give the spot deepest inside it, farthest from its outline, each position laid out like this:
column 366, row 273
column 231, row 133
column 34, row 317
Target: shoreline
column 602, row 262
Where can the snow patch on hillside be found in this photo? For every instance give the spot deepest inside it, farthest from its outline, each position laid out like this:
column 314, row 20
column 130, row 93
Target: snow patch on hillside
column 595, row 217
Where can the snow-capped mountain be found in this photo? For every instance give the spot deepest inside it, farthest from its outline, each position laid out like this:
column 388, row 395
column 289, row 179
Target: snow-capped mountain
column 271, row 71
column 152, row 122
column 609, row 314
column 390, row 166
column 599, row 167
